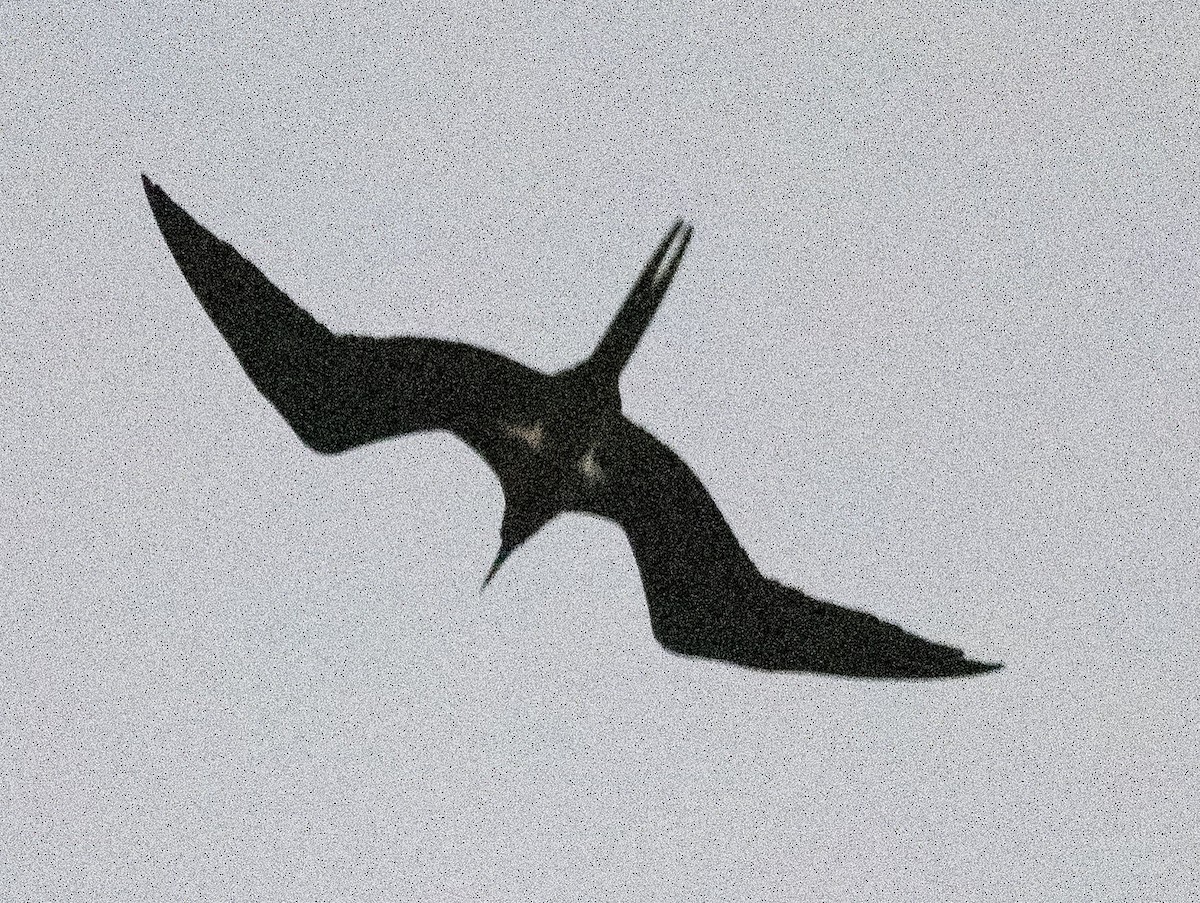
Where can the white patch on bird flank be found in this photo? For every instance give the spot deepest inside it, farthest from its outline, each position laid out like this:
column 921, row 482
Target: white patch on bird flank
column 589, row 468
column 530, row 435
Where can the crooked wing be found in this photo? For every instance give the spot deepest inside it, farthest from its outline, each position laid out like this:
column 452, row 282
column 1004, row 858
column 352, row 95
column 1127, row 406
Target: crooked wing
column 341, row 391
column 707, row 598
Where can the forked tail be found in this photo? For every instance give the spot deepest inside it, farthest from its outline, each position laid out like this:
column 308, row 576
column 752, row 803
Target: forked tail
column 619, row 342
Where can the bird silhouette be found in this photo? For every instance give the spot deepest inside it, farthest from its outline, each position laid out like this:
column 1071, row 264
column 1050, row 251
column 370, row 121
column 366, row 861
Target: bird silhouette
column 557, row 443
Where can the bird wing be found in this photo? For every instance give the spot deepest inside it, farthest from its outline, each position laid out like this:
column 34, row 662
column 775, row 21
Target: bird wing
column 707, row 598
column 341, row 391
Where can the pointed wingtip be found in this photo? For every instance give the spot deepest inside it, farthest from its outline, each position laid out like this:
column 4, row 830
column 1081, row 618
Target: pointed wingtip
column 948, row 665
column 969, row 667
column 159, row 199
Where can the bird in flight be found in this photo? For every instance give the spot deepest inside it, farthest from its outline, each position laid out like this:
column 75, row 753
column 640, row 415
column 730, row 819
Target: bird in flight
column 557, row 443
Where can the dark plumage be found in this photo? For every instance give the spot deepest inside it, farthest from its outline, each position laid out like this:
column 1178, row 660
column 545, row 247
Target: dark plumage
column 557, row 443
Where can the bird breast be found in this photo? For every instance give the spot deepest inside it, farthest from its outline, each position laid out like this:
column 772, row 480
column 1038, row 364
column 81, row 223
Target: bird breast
column 535, row 441
column 589, row 468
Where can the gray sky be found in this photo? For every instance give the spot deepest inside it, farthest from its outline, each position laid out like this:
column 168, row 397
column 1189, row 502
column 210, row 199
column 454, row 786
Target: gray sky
column 934, row 350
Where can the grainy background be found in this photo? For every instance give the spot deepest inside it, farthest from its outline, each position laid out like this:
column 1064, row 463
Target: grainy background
column 935, row 350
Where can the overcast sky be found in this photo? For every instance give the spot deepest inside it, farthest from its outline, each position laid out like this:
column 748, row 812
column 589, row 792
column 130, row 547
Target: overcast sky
column 934, row 349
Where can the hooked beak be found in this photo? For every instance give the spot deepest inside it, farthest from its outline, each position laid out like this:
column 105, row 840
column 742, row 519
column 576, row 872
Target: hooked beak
column 503, row 554
column 518, row 525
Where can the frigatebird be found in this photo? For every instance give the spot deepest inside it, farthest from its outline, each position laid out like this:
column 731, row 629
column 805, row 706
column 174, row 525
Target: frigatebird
column 557, row 443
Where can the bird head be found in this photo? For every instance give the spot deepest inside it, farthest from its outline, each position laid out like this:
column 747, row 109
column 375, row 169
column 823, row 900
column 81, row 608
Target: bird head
column 518, row 526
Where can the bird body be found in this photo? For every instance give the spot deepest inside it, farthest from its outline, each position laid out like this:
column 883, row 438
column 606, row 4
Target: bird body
column 557, row 443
